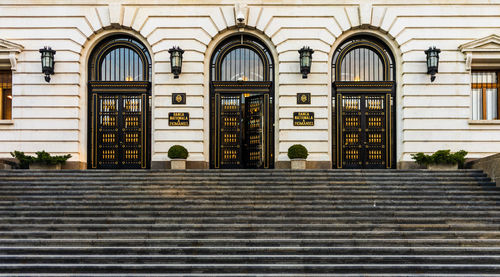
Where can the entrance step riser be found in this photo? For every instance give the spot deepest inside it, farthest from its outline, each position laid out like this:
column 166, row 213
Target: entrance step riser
column 226, row 200
column 248, row 227
column 284, row 178
column 360, row 204
column 244, row 190
column 257, row 220
column 236, row 170
column 222, row 189
column 493, row 252
column 262, row 206
column 253, row 268
column 27, row 236
column 167, row 197
column 484, row 242
column 277, row 183
column 37, row 215
column 245, row 259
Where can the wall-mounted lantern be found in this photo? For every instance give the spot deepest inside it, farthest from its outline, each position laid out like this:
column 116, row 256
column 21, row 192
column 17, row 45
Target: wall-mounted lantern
column 432, row 61
column 176, row 60
column 305, row 61
column 47, row 62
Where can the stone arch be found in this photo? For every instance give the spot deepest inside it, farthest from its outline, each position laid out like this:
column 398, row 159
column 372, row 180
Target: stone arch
column 394, row 47
column 85, row 56
column 212, row 46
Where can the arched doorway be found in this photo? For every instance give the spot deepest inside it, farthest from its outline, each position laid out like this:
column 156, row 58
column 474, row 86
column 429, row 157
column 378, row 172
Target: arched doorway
column 241, row 104
column 363, row 104
column 119, row 90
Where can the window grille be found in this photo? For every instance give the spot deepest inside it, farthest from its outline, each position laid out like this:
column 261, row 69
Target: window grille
column 485, row 100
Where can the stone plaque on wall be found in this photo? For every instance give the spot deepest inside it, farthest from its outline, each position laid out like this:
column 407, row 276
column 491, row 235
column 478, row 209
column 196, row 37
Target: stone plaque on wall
column 178, row 119
column 178, row 98
column 303, row 98
column 303, row 119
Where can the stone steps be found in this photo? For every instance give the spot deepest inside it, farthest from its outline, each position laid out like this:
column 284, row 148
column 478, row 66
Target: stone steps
column 249, row 222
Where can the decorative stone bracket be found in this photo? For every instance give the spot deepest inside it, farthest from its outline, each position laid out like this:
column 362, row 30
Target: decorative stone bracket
column 8, row 54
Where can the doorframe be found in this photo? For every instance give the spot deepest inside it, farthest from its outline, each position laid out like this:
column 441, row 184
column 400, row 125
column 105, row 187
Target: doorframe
column 266, row 87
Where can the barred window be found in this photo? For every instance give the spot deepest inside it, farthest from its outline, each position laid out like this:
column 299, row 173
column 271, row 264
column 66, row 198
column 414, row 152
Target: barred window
column 485, row 100
column 5, row 94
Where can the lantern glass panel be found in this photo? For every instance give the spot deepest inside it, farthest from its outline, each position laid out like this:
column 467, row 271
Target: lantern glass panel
column 46, row 60
column 306, row 60
column 175, row 59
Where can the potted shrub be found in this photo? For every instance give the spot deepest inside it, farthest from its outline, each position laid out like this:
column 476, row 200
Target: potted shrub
column 178, row 155
column 42, row 161
column 298, row 155
column 441, row 159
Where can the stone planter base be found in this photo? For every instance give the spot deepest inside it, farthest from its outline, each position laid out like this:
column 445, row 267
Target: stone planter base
column 39, row 166
column 442, row 166
column 298, row 164
column 178, row 164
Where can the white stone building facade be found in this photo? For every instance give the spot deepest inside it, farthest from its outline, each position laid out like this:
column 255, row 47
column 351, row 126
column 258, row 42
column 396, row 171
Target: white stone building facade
column 453, row 112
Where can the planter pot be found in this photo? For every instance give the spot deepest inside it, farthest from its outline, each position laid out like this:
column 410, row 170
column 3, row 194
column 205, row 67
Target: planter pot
column 442, row 166
column 178, row 164
column 40, row 166
column 298, row 164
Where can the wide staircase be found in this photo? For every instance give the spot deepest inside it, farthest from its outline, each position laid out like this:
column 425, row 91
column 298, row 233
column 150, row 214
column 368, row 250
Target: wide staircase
column 248, row 222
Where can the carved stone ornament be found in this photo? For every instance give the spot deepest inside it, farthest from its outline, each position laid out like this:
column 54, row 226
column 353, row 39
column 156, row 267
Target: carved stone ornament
column 483, row 52
column 9, row 52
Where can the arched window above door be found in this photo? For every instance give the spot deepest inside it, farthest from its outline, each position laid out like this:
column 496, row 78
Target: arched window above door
column 119, row 59
column 242, row 58
column 363, row 59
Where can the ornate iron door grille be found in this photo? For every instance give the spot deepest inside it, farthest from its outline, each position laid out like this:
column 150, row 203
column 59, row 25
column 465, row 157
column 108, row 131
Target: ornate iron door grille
column 119, row 126
column 228, row 110
column 254, row 131
column 364, row 126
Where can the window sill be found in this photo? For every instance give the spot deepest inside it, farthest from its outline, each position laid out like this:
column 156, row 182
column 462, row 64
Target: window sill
column 6, row 122
column 484, row 122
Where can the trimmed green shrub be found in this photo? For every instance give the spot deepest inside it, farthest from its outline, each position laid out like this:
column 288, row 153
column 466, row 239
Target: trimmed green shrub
column 441, row 157
column 178, row 152
column 297, row 151
column 41, row 157
column 24, row 160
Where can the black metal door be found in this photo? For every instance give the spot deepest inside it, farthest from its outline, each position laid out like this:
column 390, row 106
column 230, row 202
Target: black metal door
column 364, row 130
column 119, row 131
column 228, row 130
column 254, row 132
